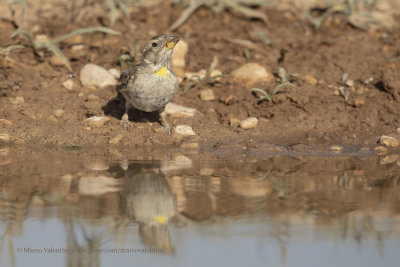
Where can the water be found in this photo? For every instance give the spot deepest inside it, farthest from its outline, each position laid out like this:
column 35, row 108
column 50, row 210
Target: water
column 271, row 206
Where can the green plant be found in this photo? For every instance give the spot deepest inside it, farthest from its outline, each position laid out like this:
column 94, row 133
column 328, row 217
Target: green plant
column 51, row 45
column 200, row 82
column 284, row 80
column 344, row 91
column 318, row 21
column 119, row 4
column 241, row 6
column 24, row 4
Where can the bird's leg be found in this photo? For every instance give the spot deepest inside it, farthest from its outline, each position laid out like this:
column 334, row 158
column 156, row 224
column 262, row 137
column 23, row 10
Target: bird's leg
column 125, row 118
column 163, row 121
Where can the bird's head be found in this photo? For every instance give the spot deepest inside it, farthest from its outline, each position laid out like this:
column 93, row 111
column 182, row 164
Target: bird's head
column 159, row 49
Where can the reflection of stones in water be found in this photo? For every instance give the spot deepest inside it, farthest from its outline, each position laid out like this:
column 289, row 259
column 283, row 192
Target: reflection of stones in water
column 150, row 201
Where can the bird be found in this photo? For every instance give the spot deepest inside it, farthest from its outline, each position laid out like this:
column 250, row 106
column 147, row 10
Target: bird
column 151, row 84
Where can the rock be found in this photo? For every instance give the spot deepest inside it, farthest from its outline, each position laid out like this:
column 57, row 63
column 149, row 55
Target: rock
column 381, row 150
column 397, row 130
column 70, row 85
column 178, row 57
column 17, row 100
column 206, row 171
column 58, row 113
column 249, row 123
column 358, row 102
column 93, row 75
column 184, row 130
column 96, row 121
column 4, row 138
column 234, row 122
column 77, row 48
column 41, row 38
column 116, row 139
column 56, row 61
column 250, row 74
column 388, row 141
column 207, row 95
column 179, row 111
column 115, row 73
column 5, row 122
column 190, row 145
column 389, row 159
column 310, row 79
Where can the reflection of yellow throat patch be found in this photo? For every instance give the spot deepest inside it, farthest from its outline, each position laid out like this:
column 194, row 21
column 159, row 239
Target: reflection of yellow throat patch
column 163, row 71
column 160, row 219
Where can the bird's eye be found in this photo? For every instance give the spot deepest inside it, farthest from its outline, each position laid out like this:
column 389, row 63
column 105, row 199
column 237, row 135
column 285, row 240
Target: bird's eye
column 154, row 44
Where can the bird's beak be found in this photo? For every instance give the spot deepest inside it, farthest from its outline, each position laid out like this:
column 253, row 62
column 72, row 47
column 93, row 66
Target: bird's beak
column 171, row 42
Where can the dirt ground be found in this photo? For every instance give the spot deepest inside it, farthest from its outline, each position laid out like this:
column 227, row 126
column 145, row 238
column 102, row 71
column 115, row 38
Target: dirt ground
column 310, row 112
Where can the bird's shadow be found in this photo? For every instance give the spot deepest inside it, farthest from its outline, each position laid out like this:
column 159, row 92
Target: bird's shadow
column 115, row 107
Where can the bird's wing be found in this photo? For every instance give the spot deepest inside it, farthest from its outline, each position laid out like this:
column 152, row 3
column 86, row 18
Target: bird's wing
column 124, row 79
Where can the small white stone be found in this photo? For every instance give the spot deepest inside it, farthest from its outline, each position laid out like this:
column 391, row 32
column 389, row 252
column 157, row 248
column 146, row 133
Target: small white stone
column 179, row 111
column 250, row 74
column 115, row 73
column 184, row 130
column 69, row 85
column 93, row 75
column 179, row 54
column 207, row 95
column 96, row 121
column 41, row 38
column 388, row 141
column 17, row 100
column 249, row 123
column 4, row 138
column 58, row 113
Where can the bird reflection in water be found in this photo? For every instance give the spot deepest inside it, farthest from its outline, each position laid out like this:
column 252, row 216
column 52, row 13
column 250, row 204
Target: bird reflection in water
column 150, row 202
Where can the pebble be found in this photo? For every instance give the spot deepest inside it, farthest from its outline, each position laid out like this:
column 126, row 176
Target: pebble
column 58, row 113
column 4, row 138
column 250, row 74
column 179, row 55
column 381, row 150
column 207, row 95
column 389, row 159
column 41, row 38
column 56, row 61
column 96, row 121
column 116, row 139
column 179, row 111
column 70, row 85
column 398, row 130
column 93, row 75
column 310, row 79
column 5, row 122
column 115, row 73
column 249, row 123
column 184, row 130
column 234, row 122
column 76, row 48
column 17, row 100
column 358, row 102
column 388, row 141
column 19, row 141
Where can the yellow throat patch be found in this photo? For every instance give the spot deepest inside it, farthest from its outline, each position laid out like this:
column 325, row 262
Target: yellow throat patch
column 162, row 72
column 160, row 219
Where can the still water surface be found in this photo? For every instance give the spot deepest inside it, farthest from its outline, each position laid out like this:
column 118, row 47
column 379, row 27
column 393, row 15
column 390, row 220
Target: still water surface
column 189, row 208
